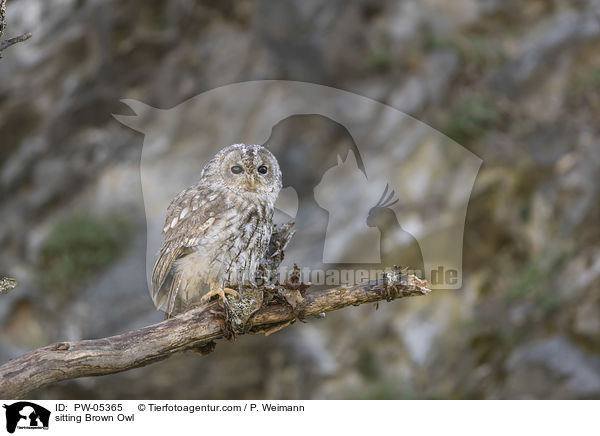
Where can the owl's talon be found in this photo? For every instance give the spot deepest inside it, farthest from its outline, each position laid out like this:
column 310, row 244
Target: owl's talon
column 231, row 292
column 220, row 292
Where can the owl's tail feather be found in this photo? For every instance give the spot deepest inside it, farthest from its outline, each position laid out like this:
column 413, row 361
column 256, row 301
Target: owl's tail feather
column 165, row 297
column 164, row 279
column 169, row 293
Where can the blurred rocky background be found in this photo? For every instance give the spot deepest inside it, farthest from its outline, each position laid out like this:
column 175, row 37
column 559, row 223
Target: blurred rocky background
column 517, row 83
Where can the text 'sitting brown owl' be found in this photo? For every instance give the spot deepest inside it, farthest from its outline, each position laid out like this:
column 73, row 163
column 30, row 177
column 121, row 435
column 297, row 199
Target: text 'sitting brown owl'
column 217, row 230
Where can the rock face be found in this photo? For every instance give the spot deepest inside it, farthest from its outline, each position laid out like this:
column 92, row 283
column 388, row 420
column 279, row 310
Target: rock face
column 580, row 372
column 524, row 325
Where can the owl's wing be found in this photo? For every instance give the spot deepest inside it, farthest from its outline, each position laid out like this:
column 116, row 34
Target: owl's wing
column 189, row 216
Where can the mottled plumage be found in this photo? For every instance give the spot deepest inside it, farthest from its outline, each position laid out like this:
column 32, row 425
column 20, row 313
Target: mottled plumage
column 217, row 231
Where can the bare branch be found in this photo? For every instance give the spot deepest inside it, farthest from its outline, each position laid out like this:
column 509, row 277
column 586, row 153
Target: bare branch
column 11, row 41
column 196, row 329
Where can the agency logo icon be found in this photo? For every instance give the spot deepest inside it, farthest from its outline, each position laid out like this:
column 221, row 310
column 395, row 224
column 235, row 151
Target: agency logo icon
column 26, row 415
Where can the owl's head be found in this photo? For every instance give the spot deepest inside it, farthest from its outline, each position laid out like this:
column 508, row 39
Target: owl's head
column 247, row 170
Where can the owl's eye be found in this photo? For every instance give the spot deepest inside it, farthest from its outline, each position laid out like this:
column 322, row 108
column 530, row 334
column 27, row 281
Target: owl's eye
column 262, row 169
column 236, row 169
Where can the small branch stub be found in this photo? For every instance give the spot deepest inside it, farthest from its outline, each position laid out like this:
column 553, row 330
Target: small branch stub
column 7, row 285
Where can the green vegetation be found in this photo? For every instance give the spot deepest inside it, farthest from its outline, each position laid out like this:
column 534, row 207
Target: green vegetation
column 19, row 120
column 380, row 59
column 535, row 283
column 471, row 117
column 479, row 50
column 585, row 81
column 475, row 50
column 78, row 247
column 367, row 364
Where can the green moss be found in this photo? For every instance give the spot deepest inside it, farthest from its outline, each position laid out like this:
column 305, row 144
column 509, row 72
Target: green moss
column 432, row 42
column 384, row 390
column 380, row 59
column 527, row 284
column 367, row 364
column 78, row 247
column 470, row 118
column 19, row 120
column 535, row 283
column 585, row 80
column 474, row 49
column 479, row 50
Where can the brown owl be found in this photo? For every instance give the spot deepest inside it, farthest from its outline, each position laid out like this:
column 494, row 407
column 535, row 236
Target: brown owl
column 217, row 230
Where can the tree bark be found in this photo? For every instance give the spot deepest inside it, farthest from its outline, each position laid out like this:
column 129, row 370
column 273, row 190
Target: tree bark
column 195, row 329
